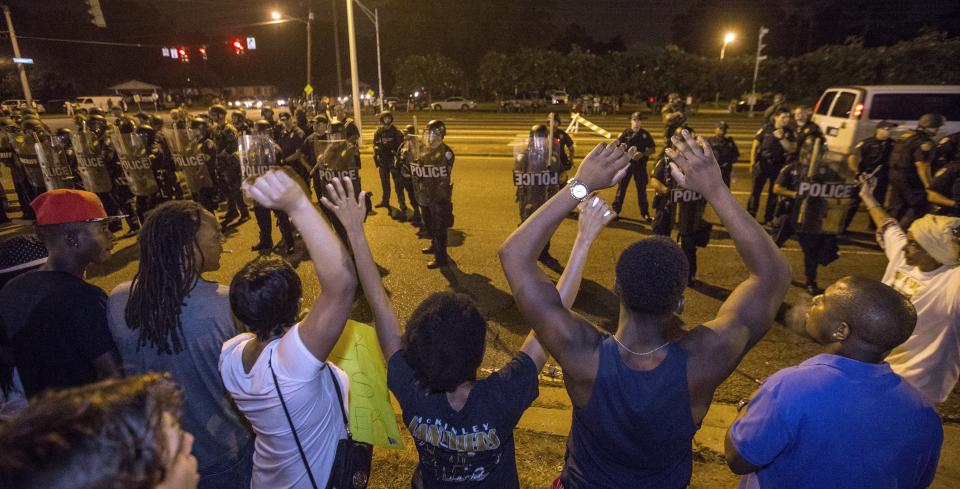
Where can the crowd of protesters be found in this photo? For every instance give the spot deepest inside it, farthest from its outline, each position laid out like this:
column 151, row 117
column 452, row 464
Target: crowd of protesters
column 157, row 386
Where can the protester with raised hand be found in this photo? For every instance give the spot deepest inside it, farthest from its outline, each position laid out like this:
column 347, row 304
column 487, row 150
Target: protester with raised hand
column 278, row 374
column 432, row 366
column 925, row 268
column 639, row 395
column 802, row 426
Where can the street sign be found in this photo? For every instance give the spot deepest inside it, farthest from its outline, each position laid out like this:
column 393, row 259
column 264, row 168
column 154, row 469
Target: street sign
column 23, row 61
column 251, row 43
column 308, row 89
column 166, row 52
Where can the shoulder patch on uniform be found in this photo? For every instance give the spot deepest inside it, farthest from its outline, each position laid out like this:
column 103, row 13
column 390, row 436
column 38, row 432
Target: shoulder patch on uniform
column 926, row 146
column 448, row 155
column 945, row 140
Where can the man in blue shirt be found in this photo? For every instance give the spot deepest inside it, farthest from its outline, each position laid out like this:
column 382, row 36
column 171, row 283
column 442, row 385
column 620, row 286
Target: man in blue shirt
column 842, row 418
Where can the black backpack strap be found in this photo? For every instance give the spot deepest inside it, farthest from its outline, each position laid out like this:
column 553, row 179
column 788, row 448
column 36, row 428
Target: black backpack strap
column 296, row 438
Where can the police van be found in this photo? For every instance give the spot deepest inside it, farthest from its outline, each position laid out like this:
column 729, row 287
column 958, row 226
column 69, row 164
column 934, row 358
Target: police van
column 849, row 114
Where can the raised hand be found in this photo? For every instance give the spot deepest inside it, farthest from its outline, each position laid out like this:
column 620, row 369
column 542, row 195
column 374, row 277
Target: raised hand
column 276, row 190
column 605, row 165
column 868, row 184
column 694, row 166
column 340, row 199
column 595, row 214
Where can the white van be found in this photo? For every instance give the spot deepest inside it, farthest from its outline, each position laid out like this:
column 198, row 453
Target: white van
column 848, row 115
column 104, row 102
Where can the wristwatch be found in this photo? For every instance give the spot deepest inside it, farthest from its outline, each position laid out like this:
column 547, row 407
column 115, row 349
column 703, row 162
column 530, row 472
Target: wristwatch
column 578, row 190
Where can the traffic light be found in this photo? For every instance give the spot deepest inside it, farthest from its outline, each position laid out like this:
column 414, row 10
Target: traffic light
column 183, row 55
column 203, row 52
column 237, row 46
column 96, row 13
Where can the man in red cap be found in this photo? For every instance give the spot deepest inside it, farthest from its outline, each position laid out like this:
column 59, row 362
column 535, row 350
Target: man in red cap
column 54, row 321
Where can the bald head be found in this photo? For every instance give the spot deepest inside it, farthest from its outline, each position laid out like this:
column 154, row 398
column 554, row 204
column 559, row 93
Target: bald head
column 875, row 313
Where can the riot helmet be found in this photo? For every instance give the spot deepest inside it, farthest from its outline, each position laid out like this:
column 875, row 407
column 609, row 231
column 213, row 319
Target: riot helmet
column 156, row 122
column 79, row 121
column 436, row 131
column 930, row 122
column 125, row 126
column 335, row 133
column 321, row 123
column 147, row 133
column 386, row 118
column 266, row 112
column 351, row 132
column 263, row 126
column 410, row 129
column 217, row 113
column 287, row 119
column 97, row 123
column 143, row 117
column 199, row 127
column 63, row 137
column 538, row 138
column 238, row 118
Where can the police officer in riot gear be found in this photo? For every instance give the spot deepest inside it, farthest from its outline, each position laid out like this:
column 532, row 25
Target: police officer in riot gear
column 291, row 140
column 872, row 157
column 404, row 179
column 537, row 175
column 803, row 128
column 336, row 158
column 240, row 122
column 944, row 192
column 266, row 113
column 432, row 173
column 142, row 118
column 674, row 115
column 161, row 161
column 910, row 170
column 301, row 117
column 133, row 153
column 772, row 147
column 725, row 150
column 228, row 165
column 264, row 130
column 207, row 150
column 9, row 132
column 680, row 208
column 119, row 193
column 308, row 156
column 636, row 137
column 386, row 145
column 26, row 155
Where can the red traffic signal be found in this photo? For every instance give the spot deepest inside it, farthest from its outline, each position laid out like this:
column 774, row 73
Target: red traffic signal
column 237, row 46
column 183, row 55
column 203, row 53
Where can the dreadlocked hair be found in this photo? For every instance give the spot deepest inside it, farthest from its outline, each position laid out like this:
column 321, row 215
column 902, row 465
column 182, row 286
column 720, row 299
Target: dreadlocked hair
column 166, row 276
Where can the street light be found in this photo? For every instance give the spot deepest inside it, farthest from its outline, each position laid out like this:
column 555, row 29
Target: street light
column 280, row 17
column 727, row 39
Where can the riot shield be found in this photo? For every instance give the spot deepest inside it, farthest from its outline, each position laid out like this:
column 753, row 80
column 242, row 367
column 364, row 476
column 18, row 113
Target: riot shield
column 258, row 155
column 90, row 162
column 533, row 175
column 824, row 196
column 336, row 159
column 27, row 156
column 430, row 172
column 55, row 165
column 135, row 162
column 188, row 158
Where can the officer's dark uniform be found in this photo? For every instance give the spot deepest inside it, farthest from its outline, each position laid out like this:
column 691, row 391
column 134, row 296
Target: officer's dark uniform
column 262, row 214
column 143, row 203
column 645, row 145
column 771, row 158
column 228, row 171
column 162, row 162
column 266, row 113
column 685, row 208
column 309, row 159
column 805, row 134
column 25, row 191
column 438, row 215
column 874, row 153
column 819, row 249
column 291, row 140
column 947, row 183
column 386, row 145
column 727, row 153
column 120, row 195
column 404, row 179
column 908, row 197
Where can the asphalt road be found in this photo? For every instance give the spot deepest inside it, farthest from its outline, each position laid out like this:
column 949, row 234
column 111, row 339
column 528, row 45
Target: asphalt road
column 486, row 214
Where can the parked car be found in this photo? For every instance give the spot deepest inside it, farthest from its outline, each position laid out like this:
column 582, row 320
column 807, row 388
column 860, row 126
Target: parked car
column 21, row 104
column 454, row 103
column 245, row 103
column 849, row 114
column 558, row 97
column 763, row 101
column 522, row 104
column 102, row 101
column 392, row 103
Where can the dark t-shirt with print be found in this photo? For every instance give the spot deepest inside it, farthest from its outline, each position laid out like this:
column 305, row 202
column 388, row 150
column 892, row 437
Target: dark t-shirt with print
column 473, row 447
column 56, row 325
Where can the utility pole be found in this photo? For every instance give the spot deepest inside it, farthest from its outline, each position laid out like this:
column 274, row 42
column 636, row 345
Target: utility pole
column 336, row 48
column 309, row 41
column 16, row 54
column 374, row 17
column 354, row 75
column 756, row 67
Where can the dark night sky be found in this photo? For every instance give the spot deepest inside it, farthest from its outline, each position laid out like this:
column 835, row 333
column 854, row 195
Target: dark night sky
column 461, row 29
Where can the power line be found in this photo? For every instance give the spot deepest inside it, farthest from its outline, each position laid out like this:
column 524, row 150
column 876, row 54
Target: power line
column 83, row 41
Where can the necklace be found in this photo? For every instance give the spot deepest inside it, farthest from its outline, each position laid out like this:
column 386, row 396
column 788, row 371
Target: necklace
column 639, row 354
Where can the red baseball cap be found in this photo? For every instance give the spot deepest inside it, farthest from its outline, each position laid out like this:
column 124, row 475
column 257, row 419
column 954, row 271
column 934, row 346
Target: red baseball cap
column 63, row 206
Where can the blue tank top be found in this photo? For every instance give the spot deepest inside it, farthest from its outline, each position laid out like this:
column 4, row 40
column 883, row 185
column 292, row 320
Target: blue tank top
column 636, row 429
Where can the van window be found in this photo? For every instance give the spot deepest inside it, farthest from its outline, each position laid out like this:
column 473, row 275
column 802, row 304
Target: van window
column 844, row 105
column 824, row 106
column 910, row 106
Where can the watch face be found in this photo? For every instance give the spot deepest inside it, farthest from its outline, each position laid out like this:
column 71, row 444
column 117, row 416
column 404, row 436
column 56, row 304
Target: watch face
column 579, row 191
